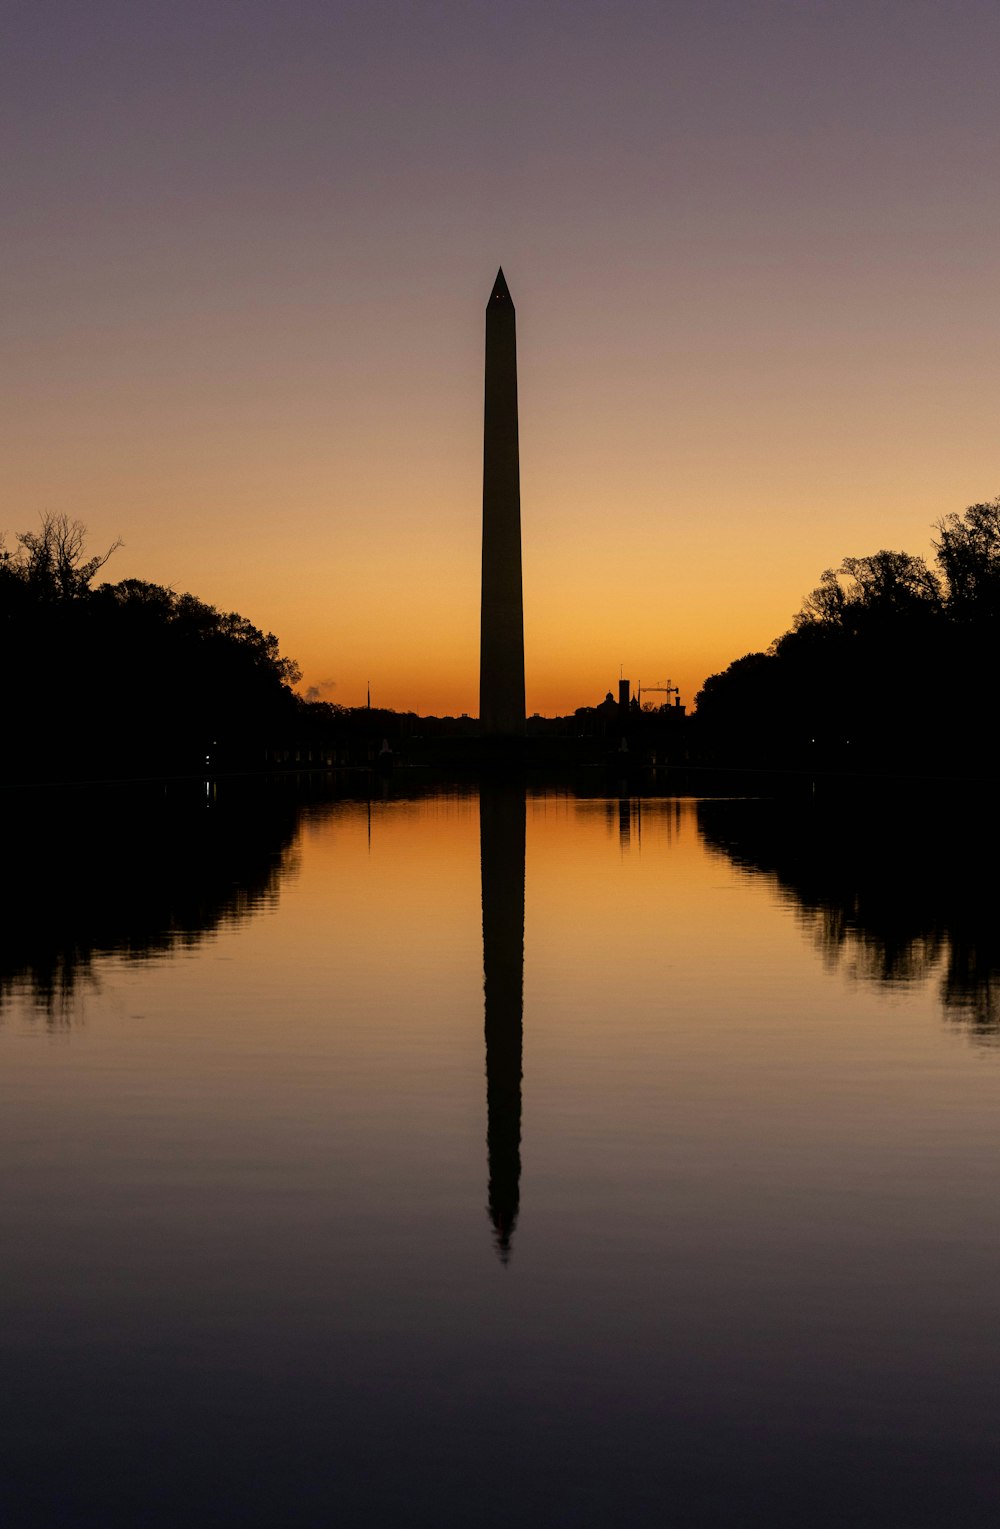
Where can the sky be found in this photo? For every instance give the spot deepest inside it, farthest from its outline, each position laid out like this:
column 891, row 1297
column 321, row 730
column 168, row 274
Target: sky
column 247, row 249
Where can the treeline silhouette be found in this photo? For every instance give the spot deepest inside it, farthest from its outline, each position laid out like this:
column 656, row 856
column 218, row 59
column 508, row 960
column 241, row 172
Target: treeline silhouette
column 889, row 664
column 134, row 680
column 126, row 678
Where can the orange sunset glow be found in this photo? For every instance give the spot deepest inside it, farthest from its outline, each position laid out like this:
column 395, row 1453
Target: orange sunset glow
column 752, row 251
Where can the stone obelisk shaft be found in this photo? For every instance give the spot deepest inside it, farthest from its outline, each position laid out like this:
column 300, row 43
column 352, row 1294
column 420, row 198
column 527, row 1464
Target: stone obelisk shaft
column 501, row 652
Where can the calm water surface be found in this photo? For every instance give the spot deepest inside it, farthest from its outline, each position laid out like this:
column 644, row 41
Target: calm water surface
column 686, row 1214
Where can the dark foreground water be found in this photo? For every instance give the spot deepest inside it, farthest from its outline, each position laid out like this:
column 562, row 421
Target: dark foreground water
column 690, row 1218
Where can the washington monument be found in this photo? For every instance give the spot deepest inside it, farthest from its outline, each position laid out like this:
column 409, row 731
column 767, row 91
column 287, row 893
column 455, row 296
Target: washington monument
column 501, row 649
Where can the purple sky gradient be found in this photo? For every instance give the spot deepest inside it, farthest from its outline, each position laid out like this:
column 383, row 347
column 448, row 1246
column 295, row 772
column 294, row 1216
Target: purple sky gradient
column 753, row 249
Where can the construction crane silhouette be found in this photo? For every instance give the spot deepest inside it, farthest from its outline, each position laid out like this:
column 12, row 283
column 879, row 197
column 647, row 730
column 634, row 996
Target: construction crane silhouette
column 667, row 690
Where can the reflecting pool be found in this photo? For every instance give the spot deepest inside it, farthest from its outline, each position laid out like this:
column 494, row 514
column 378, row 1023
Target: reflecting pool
column 478, row 1158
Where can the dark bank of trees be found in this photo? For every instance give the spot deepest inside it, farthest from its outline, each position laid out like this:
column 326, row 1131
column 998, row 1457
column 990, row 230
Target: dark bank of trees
column 890, row 664
column 127, row 678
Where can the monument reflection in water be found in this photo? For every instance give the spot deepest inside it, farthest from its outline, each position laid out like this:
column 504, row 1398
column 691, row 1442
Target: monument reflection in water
column 751, row 1277
column 501, row 845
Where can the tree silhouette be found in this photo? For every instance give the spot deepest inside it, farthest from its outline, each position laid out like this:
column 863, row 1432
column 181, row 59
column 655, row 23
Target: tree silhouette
column 861, row 678
column 968, row 554
column 127, row 678
column 49, row 563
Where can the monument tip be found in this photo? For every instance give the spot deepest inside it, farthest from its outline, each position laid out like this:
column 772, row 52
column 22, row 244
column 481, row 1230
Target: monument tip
column 501, row 292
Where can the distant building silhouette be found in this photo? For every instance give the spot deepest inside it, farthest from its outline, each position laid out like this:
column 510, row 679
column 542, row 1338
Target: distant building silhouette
column 501, row 652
